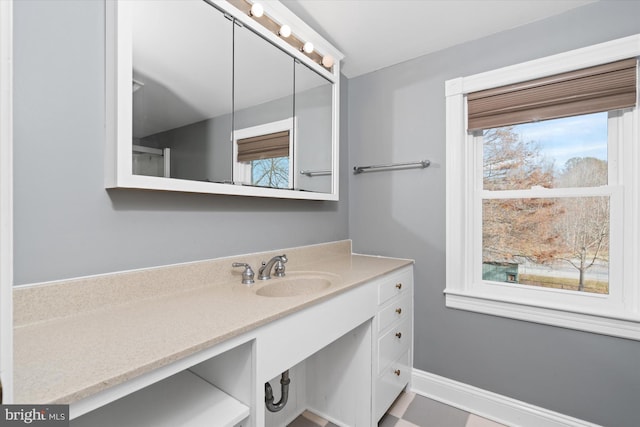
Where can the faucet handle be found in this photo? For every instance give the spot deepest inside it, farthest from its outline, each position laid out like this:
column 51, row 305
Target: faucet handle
column 247, row 274
column 278, row 269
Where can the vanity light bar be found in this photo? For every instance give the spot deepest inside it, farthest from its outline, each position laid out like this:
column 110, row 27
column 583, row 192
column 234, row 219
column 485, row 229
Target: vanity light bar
column 256, row 11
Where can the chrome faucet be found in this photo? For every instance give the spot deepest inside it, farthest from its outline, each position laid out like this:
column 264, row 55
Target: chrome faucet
column 264, row 273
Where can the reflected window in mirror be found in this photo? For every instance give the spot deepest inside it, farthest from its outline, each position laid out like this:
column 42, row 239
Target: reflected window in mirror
column 262, row 154
column 263, row 113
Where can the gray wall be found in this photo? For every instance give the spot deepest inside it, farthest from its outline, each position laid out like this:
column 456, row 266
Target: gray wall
column 313, row 131
column 398, row 114
column 199, row 151
column 66, row 223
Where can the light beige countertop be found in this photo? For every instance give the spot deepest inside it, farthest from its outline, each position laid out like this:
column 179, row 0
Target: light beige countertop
column 78, row 337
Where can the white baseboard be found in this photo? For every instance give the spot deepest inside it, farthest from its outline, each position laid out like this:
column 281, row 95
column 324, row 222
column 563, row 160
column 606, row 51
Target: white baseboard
column 496, row 407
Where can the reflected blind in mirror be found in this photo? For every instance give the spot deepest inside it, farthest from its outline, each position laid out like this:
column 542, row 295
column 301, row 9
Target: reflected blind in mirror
column 264, row 146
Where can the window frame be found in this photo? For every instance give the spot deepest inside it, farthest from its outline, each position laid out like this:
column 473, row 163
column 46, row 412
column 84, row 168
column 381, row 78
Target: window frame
column 617, row 314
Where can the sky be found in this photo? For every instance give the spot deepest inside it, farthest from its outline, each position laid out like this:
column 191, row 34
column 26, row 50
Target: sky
column 562, row 139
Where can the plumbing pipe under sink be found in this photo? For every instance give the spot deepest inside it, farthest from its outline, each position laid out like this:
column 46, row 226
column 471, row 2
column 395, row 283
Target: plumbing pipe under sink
column 284, row 388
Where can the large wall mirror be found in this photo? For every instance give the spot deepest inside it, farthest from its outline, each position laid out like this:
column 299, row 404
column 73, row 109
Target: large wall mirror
column 205, row 99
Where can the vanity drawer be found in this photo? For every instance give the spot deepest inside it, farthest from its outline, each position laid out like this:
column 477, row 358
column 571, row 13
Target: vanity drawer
column 397, row 284
column 389, row 385
column 393, row 343
column 396, row 310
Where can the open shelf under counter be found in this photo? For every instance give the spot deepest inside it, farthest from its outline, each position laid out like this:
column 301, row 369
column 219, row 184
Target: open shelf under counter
column 183, row 399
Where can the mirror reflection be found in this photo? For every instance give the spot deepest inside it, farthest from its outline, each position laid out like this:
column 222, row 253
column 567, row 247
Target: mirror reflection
column 263, row 113
column 313, row 158
column 182, row 86
column 214, row 101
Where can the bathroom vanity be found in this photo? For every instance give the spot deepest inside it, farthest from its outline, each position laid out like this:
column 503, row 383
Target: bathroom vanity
column 191, row 345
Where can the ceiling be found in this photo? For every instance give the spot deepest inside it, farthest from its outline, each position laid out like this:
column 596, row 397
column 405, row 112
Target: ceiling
column 375, row 34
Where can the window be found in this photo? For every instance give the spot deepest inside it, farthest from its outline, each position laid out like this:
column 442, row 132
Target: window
column 559, row 242
column 262, row 155
column 543, row 191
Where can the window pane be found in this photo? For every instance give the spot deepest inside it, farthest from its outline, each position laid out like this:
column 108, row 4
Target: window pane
column 552, row 242
column 272, row 172
column 567, row 152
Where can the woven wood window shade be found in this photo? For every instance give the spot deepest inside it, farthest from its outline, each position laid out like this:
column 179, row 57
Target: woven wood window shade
column 590, row 90
column 264, row 146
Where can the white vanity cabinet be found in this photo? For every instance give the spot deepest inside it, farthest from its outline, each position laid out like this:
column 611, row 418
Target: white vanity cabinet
column 393, row 343
column 349, row 353
column 339, row 350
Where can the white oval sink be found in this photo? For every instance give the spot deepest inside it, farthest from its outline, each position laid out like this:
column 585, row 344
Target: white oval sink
column 295, row 284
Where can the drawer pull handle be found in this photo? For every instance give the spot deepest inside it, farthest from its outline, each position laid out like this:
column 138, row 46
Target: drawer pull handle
column 399, row 334
column 397, row 372
column 399, row 285
column 399, row 310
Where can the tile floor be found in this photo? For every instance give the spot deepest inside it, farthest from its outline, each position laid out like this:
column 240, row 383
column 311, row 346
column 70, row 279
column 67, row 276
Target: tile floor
column 411, row 410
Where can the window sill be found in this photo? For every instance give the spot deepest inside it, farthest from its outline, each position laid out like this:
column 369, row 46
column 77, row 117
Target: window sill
column 600, row 323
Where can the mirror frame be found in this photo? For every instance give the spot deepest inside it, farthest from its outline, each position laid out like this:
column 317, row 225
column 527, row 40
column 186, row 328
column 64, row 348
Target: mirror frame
column 119, row 99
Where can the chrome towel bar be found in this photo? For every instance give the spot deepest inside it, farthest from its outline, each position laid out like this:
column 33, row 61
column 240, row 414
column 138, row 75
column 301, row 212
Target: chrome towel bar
column 421, row 164
column 316, row 173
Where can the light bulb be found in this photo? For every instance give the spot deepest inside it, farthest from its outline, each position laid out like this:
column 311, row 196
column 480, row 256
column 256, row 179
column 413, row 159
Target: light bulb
column 327, row 61
column 256, row 10
column 285, row 31
column 308, row 47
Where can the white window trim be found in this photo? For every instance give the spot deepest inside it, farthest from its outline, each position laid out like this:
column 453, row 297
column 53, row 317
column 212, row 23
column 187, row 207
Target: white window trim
column 621, row 320
column 242, row 170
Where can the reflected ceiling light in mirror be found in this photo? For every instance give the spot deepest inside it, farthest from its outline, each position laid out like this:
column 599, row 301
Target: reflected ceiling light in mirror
column 307, row 47
column 327, row 61
column 285, row 31
column 256, row 10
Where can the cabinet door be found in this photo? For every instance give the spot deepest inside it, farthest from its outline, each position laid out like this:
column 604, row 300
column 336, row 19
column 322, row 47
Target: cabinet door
column 6, row 197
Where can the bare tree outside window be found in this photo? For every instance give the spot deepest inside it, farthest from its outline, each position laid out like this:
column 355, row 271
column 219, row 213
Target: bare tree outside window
column 272, row 172
column 511, row 163
column 583, row 223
